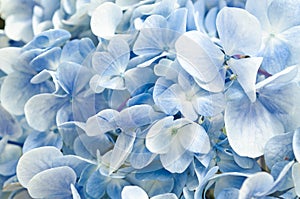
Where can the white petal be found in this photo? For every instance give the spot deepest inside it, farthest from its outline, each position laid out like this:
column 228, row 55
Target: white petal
column 105, row 20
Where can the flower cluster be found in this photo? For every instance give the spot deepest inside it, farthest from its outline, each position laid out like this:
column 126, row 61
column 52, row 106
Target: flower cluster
column 160, row 99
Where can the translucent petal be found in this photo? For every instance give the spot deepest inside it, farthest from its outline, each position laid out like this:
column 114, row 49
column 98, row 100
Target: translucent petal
column 239, row 36
column 177, row 159
column 105, row 20
column 282, row 14
column 164, row 97
column 101, row 123
column 201, row 59
column 121, row 150
column 246, row 70
column 54, row 182
column 255, row 184
column 41, row 110
column 249, row 125
column 152, row 37
column 35, row 161
column 291, row 37
column 194, row 138
column 133, row 192
column 158, row 139
column 96, row 185
column 279, row 148
column 46, row 60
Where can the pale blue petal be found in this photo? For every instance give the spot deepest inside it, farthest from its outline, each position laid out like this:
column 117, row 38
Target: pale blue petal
column 137, row 116
column 121, row 150
column 194, row 138
column 8, row 58
column 177, row 159
column 255, row 185
column 77, row 50
column 291, row 37
column 105, row 20
column 96, row 185
column 101, row 123
column 140, row 156
column 296, row 177
column 228, row 193
column 71, row 75
column 9, row 157
column 120, row 50
column 165, row 196
column 52, row 183
column 39, row 139
column 17, row 89
column 279, row 148
column 40, row 110
column 126, row 3
column 152, row 38
column 133, row 192
column 259, row 10
column 209, row 104
column 159, row 139
column 46, row 60
column 201, row 59
column 134, row 80
column 114, row 188
column 210, row 22
column 296, row 144
column 164, row 98
column 246, row 71
column 9, row 126
column 239, row 37
column 276, row 55
column 177, row 22
column 280, row 95
column 249, row 125
column 35, row 161
column 77, row 163
column 282, row 14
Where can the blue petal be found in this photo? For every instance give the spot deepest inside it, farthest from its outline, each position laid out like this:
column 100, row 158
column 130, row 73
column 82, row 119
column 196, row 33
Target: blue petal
column 249, row 125
column 35, row 161
column 228, row 193
column 41, row 110
column 48, row 39
column 9, row 158
column 96, row 185
column 52, row 183
column 239, row 36
column 46, row 60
